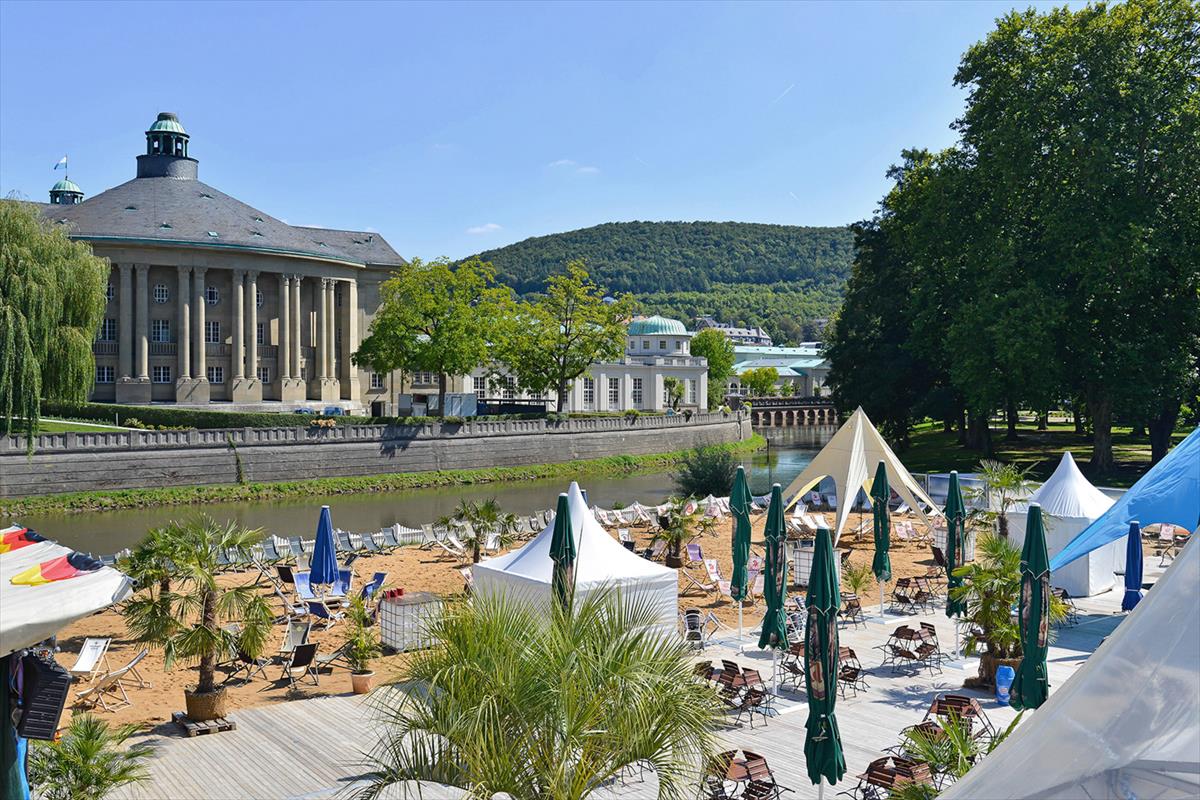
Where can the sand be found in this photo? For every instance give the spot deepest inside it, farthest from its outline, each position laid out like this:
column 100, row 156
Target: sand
column 414, row 570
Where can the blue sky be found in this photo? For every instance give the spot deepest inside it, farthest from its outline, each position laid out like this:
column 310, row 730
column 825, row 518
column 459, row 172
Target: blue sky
column 456, row 127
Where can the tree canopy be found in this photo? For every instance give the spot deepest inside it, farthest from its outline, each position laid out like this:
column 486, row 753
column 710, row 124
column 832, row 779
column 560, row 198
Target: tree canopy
column 553, row 338
column 759, row 381
column 51, row 304
column 435, row 317
column 715, row 346
column 1052, row 255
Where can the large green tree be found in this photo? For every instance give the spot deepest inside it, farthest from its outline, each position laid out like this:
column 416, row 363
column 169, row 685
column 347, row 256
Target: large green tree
column 436, row 317
column 759, row 381
column 715, row 346
column 552, row 339
column 51, row 305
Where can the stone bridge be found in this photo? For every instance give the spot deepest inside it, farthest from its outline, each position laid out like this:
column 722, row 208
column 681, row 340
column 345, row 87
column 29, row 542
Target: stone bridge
column 786, row 412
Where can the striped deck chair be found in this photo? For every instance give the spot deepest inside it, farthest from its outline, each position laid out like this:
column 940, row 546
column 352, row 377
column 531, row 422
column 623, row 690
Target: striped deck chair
column 93, row 652
column 108, row 692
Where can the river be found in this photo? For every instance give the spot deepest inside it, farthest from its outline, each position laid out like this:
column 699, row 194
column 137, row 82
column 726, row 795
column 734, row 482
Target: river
column 789, row 451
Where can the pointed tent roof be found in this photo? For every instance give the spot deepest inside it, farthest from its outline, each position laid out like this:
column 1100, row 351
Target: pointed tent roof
column 1067, row 493
column 850, row 458
column 1169, row 492
column 1124, row 725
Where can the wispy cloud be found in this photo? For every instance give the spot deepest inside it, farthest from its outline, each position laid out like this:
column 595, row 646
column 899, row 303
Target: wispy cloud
column 782, row 95
column 574, row 166
column 486, row 228
column 793, row 194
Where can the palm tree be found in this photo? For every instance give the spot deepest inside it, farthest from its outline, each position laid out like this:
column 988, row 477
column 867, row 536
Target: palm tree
column 484, row 519
column 950, row 754
column 87, row 763
column 1003, row 486
column 677, row 527
column 540, row 703
column 153, row 561
column 190, row 622
column 991, row 588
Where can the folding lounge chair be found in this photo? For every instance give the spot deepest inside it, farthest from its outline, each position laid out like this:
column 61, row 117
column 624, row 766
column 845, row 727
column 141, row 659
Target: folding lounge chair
column 321, row 611
column 626, row 539
column 694, row 553
column 341, row 542
column 289, row 610
column 323, row 661
column 302, row 663
column 247, row 667
column 297, row 634
column 374, row 586
column 296, row 546
column 304, row 587
column 110, row 687
column 387, row 537
column 451, row 546
column 91, row 655
column 369, row 544
column 692, row 583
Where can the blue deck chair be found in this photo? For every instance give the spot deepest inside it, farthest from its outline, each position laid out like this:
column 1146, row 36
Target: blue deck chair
column 369, row 544
column 303, row 586
column 321, row 611
column 341, row 542
column 344, row 583
column 374, row 586
column 296, row 546
column 387, row 540
column 270, row 551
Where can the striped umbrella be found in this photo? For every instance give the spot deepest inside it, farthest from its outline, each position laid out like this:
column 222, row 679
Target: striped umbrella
column 822, row 740
column 562, row 552
column 739, row 506
column 1030, row 686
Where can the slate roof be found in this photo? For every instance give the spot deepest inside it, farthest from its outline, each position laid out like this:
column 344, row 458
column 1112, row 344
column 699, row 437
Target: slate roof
column 192, row 213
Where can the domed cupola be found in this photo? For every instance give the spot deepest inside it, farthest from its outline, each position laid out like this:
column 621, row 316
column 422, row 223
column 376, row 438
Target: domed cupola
column 65, row 193
column 167, row 151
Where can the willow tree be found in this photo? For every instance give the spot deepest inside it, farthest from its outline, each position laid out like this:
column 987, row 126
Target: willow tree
column 51, row 304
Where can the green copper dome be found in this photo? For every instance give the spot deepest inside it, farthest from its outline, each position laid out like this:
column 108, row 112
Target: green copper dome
column 167, row 123
column 66, row 186
column 657, row 326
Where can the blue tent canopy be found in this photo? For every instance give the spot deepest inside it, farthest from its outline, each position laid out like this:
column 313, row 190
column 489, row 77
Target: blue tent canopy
column 1169, row 492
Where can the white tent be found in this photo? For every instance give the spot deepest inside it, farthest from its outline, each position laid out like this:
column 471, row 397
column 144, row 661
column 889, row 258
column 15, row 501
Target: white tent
column 31, row 612
column 601, row 561
column 850, row 458
column 1069, row 504
column 1125, row 724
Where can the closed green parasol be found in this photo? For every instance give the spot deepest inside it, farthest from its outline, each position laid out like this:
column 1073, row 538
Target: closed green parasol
column 562, row 552
column 1030, row 686
column 774, row 625
column 822, row 740
column 739, row 505
column 881, row 565
column 956, row 523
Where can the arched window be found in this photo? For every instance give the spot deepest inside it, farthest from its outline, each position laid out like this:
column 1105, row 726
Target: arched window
column 161, row 293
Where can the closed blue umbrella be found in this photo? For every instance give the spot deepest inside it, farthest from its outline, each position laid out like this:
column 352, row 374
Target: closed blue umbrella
column 324, row 566
column 1133, row 567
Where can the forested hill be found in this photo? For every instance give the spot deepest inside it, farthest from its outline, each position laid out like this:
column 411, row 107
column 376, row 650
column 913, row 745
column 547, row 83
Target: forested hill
column 648, row 257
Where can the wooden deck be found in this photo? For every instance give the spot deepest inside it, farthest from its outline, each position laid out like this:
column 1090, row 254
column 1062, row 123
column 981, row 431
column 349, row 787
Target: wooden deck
column 313, row 748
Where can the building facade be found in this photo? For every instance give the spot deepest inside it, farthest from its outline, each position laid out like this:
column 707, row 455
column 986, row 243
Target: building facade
column 801, row 371
column 656, row 348
column 750, row 336
column 212, row 300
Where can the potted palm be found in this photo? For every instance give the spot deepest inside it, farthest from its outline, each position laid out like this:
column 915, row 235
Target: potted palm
column 676, row 528
column 991, row 589
column 199, row 620
column 88, row 762
column 1004, row 485
column 362, row 645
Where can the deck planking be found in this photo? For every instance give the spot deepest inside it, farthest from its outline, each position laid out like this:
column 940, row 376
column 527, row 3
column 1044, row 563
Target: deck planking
column 312, row 749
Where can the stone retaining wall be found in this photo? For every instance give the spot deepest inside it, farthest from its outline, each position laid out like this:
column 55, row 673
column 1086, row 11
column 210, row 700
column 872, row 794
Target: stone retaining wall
column 71, row 462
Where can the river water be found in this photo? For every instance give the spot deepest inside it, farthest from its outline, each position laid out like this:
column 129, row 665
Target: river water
column 789, row 451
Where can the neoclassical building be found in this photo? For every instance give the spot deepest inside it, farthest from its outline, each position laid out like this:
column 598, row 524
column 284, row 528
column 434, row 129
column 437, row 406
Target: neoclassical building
column 655, row 348
column 213, row 300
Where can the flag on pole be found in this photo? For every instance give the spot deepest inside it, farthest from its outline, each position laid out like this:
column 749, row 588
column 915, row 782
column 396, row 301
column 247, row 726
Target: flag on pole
column 62, row 162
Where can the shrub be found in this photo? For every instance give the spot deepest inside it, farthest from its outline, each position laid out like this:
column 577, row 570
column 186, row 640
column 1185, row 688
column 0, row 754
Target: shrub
column 706, row 470
column 88, row 763
column 632, row 414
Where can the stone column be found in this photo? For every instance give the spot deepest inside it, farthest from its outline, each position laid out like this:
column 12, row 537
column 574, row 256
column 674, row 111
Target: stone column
column 141, row 335
column 125, row 324
column 350, row 339
column 330, row 388
column 201, row 393
column 296, row 327
column 183, row 334
column 237, row 359
column 283, row 359
column 252, row 326
column 322, row 332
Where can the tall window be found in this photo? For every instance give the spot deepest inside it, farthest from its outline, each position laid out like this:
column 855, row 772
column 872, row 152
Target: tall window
column 216, row 374
column 614, row 393
column 258, row 298
column 161, row 293
column 160, row 374
column 691, row 391
column 376, row 381
column 264, row 374
column 589, row 393
column 637, row 392
column 510, row 387
column 110, row 292
column 108, row 331
column 479, row 384
column 645, row 344
column 662, row 344
column 212, row 331
column 260, row 335
column 212, row 295
column 104, row 374
column 160, row 330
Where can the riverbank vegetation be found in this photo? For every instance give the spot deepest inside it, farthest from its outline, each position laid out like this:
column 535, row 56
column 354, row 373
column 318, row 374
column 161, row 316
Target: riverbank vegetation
column 609, row 466
column 1048, row 258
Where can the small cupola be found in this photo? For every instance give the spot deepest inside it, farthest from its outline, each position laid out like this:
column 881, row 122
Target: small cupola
column 166, row 153
column 65, row 193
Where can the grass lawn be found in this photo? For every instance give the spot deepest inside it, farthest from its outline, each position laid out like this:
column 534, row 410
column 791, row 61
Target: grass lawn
column 935, row 451
column 65, row 426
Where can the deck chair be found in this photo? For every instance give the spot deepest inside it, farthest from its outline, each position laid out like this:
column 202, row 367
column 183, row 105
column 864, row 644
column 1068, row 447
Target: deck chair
column 247, row 667
column 296, row 546
column 389, row 539
column 451, row 546
column 321, row 611
column 303, row 586
column 91, row 655
column 341, row 542
column 692, row 583
column 288, row 609
column 695, row 555
column 374, row 586
column 302, row 662
column 1166, row 540
column 625, row 539
column 297, row 634
column 468, row 579
column 270, row 553
column 369, row 544
column 110, row 687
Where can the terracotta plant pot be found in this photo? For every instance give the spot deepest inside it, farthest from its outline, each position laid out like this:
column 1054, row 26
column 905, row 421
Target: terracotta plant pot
column 205, row 706
column 361, row 682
